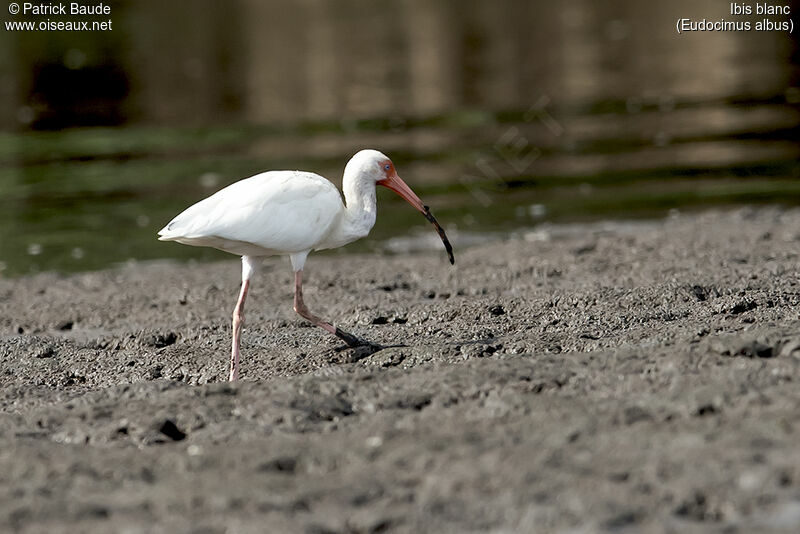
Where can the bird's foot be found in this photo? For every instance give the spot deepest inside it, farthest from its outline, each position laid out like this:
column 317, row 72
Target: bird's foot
column 355, row 342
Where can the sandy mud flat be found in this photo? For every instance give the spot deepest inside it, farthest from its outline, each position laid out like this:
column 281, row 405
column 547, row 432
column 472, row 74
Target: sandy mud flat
column 610, row 377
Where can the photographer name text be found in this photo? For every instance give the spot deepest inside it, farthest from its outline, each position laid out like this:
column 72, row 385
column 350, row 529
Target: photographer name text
column 82, row 17
column 73, row 8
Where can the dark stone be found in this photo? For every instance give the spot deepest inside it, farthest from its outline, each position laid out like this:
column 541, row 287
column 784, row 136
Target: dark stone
column 584, row 249
column 635, row 414
column 697, row 508
column 743, row 306
column 756, row 349
column 169, row 429
column 163, row 340
column 700, row 293
column 706, row 409
column 155, row 371
column 48, row 351
column 497, row 310
column 622, row 520
column 281, row 464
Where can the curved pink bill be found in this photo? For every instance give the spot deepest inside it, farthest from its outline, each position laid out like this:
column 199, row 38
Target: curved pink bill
column 397, row 185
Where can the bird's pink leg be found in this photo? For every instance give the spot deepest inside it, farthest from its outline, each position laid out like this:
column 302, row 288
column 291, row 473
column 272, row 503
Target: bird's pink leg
column 302, row 310
column 238, row 320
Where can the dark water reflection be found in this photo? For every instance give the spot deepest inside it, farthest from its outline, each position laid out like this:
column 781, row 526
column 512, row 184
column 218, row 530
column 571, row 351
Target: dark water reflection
column 500, row 114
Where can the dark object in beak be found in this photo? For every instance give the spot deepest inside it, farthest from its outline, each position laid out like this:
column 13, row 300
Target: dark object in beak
column 397, row 185
column 448, row 247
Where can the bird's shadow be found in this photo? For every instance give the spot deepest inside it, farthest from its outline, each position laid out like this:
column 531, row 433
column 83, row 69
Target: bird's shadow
column 365, row 349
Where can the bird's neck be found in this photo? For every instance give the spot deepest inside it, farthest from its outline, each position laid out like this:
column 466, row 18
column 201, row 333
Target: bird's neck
column 357, row 216
column 360, row 207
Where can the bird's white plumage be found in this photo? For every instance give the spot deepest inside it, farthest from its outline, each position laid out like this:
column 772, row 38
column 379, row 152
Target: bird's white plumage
column 275, row 212
column 291, row 212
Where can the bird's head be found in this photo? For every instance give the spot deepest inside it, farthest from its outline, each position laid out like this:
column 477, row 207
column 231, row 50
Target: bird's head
column 374, row 165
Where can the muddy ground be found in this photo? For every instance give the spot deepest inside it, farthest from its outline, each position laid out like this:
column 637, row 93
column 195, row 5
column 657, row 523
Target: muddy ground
column 612, row 377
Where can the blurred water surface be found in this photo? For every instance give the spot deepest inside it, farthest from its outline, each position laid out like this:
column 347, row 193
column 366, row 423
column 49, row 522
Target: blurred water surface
column 501, row 115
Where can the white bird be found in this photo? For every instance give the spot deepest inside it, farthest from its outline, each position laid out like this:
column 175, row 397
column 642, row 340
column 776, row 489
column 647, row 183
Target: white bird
column 292, row 212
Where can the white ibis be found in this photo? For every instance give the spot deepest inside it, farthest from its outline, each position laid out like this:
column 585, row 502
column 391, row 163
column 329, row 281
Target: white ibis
column 292, row 212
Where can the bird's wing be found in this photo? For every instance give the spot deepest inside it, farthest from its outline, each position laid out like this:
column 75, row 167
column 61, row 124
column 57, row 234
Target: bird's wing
column 278, row 211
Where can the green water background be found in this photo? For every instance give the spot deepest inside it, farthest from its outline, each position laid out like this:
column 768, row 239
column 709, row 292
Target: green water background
column 500, row 115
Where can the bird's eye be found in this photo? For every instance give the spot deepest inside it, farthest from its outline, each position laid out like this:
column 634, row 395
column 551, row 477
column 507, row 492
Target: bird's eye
column 387, row 166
